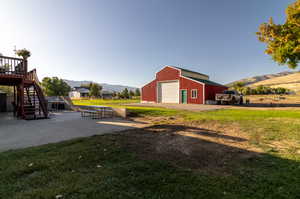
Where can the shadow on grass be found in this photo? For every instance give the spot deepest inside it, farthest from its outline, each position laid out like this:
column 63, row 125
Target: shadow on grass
column 264, row 105
column 161, row 161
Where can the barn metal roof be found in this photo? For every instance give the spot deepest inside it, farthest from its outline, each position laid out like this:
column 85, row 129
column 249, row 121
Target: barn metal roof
column 183, row 69
column 206, row 82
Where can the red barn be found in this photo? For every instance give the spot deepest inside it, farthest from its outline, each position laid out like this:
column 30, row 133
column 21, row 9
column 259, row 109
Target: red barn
column 178, row 85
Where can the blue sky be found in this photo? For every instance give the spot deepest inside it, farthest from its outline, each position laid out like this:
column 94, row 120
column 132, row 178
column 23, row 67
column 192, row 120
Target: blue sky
column 127, row 41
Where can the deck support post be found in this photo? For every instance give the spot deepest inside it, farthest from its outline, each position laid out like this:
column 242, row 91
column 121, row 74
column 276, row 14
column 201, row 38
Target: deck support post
column 21, row 100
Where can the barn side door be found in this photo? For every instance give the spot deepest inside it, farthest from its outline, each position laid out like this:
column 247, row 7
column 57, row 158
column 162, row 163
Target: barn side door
column 183, row 95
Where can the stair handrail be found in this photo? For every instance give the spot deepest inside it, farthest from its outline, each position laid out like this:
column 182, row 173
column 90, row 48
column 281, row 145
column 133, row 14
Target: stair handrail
column 32, row 75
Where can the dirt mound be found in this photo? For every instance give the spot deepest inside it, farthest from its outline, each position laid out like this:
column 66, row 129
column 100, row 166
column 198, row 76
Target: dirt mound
column 190, row 147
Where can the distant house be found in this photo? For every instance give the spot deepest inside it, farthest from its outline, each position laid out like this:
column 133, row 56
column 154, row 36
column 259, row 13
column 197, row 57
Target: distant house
column 177, row 85
column 107, row 95
column 79, row 92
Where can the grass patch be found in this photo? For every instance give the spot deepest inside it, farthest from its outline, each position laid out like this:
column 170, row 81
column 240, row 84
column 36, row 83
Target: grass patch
column 129, row 166
column 114, row 102
column 102, row 167
column 261, row 125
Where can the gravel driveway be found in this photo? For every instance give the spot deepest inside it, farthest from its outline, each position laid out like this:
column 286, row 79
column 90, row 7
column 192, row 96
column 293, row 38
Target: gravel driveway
column 15, row 134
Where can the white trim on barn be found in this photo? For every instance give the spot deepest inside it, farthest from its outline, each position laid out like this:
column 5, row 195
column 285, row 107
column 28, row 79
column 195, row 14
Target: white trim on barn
column 194, row 91
column 180, row 75
column 159, row 92
column 198, row 83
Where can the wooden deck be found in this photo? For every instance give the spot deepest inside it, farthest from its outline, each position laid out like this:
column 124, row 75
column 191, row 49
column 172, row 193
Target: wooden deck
column 28, row 95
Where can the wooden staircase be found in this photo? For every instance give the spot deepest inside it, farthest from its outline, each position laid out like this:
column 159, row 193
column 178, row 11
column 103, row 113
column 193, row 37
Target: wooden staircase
column 35, row 106
column 35, row 103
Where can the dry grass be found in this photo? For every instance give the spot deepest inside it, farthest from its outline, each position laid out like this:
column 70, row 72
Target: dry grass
column 192, row 147
column 291, row 82
column 274, row 99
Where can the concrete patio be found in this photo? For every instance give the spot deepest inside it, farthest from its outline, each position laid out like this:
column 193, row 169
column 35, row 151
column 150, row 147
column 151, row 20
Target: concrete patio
column 15, row 134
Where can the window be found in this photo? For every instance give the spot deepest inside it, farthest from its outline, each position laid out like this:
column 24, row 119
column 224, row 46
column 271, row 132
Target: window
column 194, row 93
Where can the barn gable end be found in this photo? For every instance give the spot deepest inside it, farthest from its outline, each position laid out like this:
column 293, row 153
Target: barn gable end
column 177, row 85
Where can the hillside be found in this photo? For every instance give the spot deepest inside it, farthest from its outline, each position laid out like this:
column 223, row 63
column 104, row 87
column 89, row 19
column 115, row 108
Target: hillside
column 289, row 80
column 256, row 79
column 106, row 87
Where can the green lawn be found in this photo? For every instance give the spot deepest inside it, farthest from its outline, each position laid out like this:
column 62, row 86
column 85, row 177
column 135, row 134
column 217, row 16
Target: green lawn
column 268, row 125
column 100, row 167
column 103, row 167
column 115, row 102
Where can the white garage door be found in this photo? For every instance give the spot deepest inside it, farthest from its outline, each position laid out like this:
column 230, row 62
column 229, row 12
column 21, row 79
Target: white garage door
column 168, row 92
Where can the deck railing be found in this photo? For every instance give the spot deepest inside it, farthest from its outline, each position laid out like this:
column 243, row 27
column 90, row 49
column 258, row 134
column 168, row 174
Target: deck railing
column 32, row 76
column 12, row 66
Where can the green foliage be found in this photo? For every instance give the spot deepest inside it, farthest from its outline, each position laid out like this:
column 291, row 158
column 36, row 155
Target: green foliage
column 137, row 92
column 283, row 41
column 238, row 86
column 106, row 102
column 264, row 90
column 125, row 94
column 7, row 89
column 57, row 170
column 23, row 53
column 5, row 67
column 55, row 87
column 95, row 90
column 131, row 93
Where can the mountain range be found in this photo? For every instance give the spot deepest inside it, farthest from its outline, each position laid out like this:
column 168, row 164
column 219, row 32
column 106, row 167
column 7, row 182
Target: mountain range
column 105, row 87
column 287, row 79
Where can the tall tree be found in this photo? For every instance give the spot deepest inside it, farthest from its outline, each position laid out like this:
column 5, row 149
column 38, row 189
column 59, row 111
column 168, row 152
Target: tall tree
column 125, row 93
column 55, row 87
column 131, row 93
column 95, row 90
column 283, row 40
column 238, row 86
column 137, row 92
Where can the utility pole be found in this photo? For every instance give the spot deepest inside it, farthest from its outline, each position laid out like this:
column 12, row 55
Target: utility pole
column 15, row 50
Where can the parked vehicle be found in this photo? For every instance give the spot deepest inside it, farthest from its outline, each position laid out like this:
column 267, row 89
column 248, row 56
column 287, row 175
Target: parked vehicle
column 229, row 97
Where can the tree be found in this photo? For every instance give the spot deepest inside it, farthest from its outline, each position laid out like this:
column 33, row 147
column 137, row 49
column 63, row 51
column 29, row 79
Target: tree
column 125, row 93
column 55, row 87
column 246, row 91
column 131, row 93
column 23, row 53
column 95, row 90
column 119, row 95
column 114, row 94
column 137, row 92
column 238, row 86
column 283, row 41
